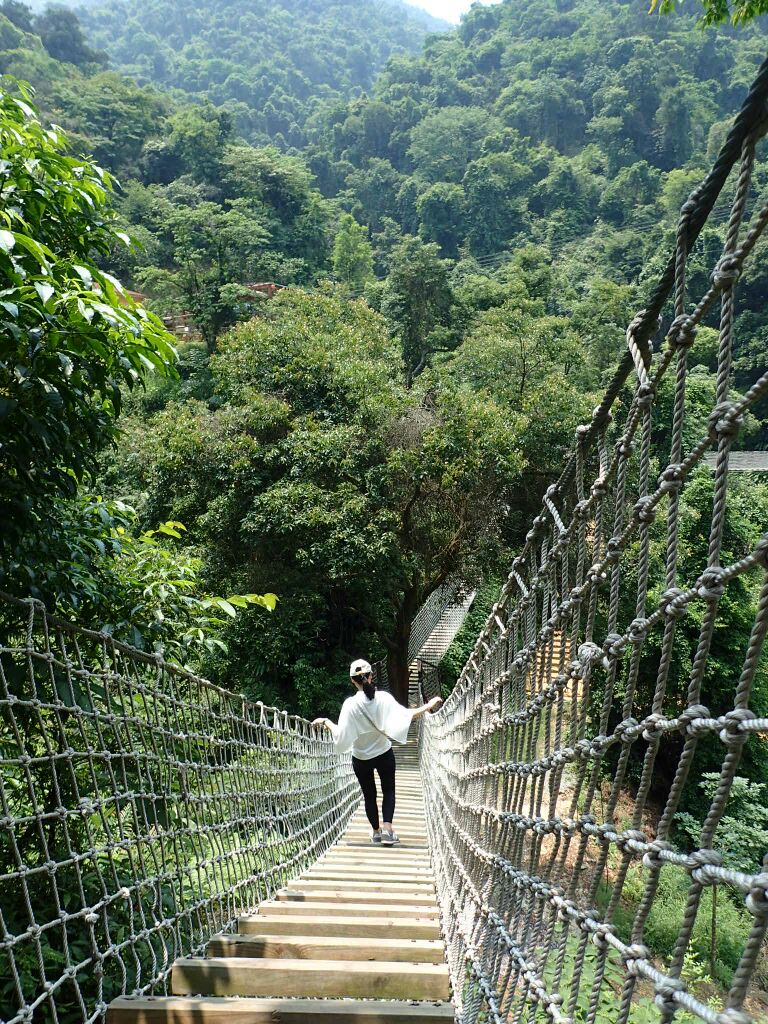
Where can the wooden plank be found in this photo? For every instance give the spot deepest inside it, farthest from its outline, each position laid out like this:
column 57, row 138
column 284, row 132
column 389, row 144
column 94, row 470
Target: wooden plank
column 314, row 947
column 330, row 895
column 373, row 875
column 354, row 925
column 332, row 908
column 317, row 979
column 376, row 854
column 356, row 885
column 210, row 1010
column 360, row 842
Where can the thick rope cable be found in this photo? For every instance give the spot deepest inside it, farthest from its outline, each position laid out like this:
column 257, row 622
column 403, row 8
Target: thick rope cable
column 142, row 810
column 527, row 762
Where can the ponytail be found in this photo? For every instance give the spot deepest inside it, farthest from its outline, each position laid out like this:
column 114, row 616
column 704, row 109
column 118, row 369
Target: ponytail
column 369, row 689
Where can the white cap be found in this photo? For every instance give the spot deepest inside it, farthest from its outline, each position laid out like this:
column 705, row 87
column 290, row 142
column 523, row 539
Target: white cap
column 360, row 668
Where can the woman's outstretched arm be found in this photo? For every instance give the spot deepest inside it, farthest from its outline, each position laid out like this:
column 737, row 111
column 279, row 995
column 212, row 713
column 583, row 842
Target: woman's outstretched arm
column 431, row 705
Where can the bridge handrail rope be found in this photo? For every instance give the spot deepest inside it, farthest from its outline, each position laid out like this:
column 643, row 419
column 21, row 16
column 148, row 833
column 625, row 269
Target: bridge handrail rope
column 142, row 809
column 520, row 795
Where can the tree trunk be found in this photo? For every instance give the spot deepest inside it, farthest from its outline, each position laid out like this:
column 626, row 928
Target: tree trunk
column 397, row 672
column 397, row 656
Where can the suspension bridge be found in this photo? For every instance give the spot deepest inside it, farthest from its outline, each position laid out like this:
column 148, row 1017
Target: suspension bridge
column 172, row 852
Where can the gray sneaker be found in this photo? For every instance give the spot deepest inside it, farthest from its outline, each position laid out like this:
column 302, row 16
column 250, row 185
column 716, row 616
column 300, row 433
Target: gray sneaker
column 376, row 838
column 389, row 838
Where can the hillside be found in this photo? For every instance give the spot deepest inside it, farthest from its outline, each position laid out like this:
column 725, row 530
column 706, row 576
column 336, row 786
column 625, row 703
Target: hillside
column 536, row 123
column 274, row 65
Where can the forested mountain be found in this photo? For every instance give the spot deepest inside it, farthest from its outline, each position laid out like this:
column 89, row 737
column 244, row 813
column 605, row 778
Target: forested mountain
column 273, row 65
column 538, row 123
column 465, row 237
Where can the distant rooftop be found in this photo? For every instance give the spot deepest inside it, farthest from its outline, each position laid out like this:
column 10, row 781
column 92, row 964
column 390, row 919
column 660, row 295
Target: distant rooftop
column 742, row 462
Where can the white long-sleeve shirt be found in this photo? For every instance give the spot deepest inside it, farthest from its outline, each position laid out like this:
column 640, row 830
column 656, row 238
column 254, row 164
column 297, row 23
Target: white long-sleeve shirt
column 355, row 732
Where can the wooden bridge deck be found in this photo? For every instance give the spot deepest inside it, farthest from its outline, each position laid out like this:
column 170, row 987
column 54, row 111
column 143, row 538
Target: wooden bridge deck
column 355, row 939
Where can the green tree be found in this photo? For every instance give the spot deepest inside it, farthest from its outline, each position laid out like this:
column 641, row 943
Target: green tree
column 70, row 337
column 441, row 209
column 417, row 299
column 445, row 141
column 352, row 254
column 320, row 469
column 211, row 251
column 61, row 35
column 18, row 14
column 738, row 12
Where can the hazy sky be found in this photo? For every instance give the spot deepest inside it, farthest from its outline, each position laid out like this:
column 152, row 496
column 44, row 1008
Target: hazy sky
column 451, row 10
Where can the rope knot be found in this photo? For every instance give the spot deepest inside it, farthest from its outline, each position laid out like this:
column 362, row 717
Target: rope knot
column 645, row 510
column 651, row 727
column 690, row 205
column 599, row 488
column 627, row 730
column 670, row 605
column 637, row 951
column 733, row 735
column 712, row 583
column 638, row 630
column 757, row 900
column 581, row 509
column 666, row 988
column 625, row 449
column 645, row 395
column 701, row 858
column 583, row 750
column 761, row 552
column 725, row 421
column 682, row 332
column 631, row 835
column 589, row 655
column 613, row 647
column 612, row 550
column 726, row 272
column 671, row 479
column 691, row 715
column 653, row 857
column 581, row 433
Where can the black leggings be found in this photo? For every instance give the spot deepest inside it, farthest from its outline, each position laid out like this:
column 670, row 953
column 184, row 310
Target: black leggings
column 384, row 764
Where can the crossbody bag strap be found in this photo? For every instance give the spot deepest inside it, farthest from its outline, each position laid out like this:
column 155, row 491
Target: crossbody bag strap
column 378, row 730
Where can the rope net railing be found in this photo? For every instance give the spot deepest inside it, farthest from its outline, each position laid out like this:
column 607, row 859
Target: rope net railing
column 565, row 720
column 142, row 809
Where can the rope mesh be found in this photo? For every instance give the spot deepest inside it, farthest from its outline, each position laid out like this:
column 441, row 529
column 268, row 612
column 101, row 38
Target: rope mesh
column 142, row 809
column 548, row 714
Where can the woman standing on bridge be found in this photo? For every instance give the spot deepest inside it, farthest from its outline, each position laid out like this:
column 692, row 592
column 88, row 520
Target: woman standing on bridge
column 370, row 721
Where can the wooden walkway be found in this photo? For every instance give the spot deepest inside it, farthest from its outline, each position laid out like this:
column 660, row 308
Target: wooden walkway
column 355, row 939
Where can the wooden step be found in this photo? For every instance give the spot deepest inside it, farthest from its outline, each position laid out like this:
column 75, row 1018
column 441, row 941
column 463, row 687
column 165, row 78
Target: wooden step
column 360, row 844
column 409, row 898
column 354, row 925
column 384, row 859
column 356, row 885
column 331, row 908
column 373, row 875
column 335, row 947
column 377, row 853
column 210, row 1010
column 317, row 979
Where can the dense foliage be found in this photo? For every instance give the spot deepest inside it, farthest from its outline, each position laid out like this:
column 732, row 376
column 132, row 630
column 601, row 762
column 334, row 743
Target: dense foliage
column 272, row 65
column 71, row 336
column 464, row 227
